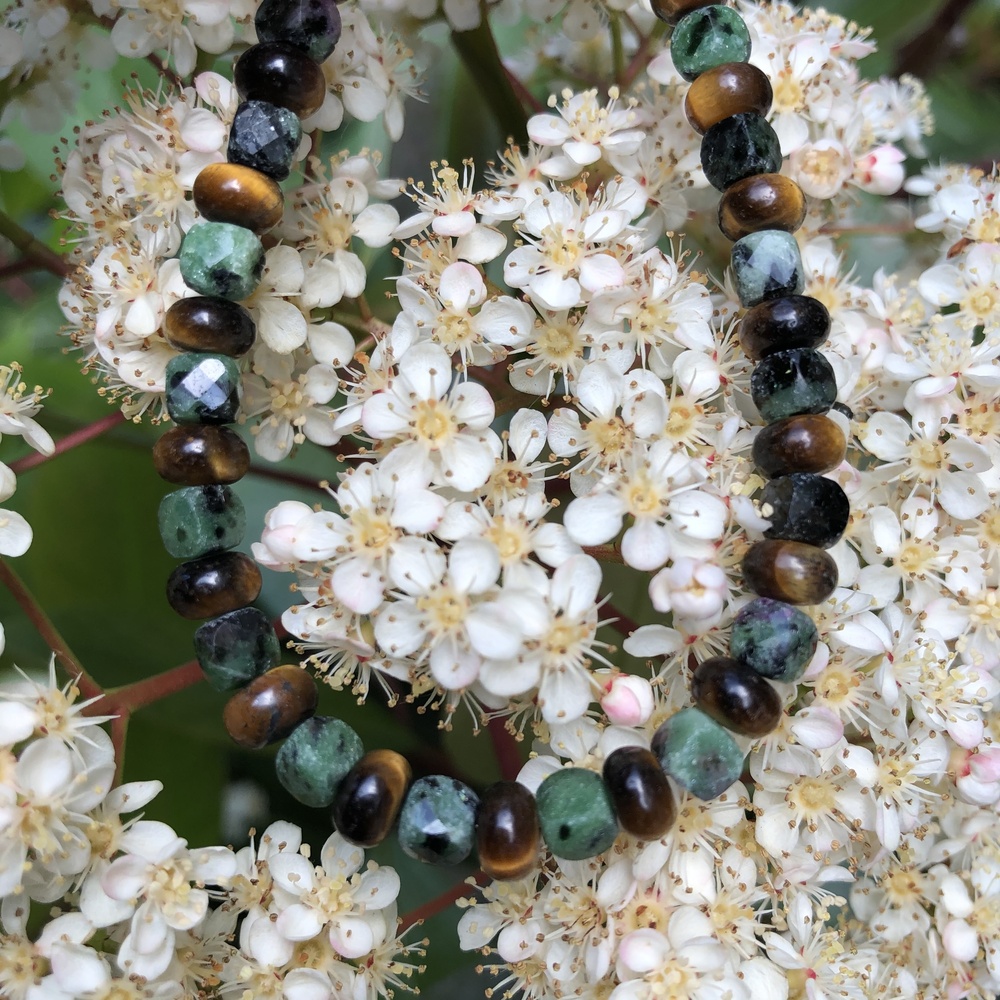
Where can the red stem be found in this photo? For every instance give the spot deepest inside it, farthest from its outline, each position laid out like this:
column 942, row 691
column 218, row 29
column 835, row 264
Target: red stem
column 125, row 700
column 74, row 440
column 525, row 96
column 438, row 903
column 623, row 624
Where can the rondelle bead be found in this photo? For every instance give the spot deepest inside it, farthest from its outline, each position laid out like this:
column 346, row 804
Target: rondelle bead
column 369, row 798
column 707, row 38
column 767, row 265
column 773, row 638
column 202, row 389
column 810, row 442
column 236, row 647
column 280, row 74
column 507, row 831
column 737, row 147
column 781, row 324
column 673, row 10
column 270, row 706
column 640, row 792
column 437, row 824
column 575, row 814
column 735, row 696
column 786, row 383
column 762, row 201
column 201, row 519
column 792, row 572
column 199, row 456
column 215, row 325
column 730, row 89
column 316, row 758
column 213, row 585
column 218, row 258
column 698, row 753
column 806, row 508
column 264, row 137
column 242, row 196
column 311, row 25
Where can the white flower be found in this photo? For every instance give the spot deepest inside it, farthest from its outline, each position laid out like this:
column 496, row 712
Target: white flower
column 18, row 407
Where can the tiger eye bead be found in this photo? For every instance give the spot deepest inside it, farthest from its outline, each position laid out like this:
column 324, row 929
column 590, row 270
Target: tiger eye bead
column 730, row 89
column 507, row 831
column 640, row 792
column 781, row 324
column 672, row 11
column 369, row 798
column 810, row 442
column 763, row 201
column 201, row 456
column 270, row 706
column 203, row 323
column 280, row 74
column 792, row 572
column 228, row 192
column 735, row 696
column 213, row 585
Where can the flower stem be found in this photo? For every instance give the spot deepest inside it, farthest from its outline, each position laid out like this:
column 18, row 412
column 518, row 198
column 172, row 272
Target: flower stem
column 33, row 249
column 617, row 49
column 622, row 623
column 73, row 440
column 605, row 553
column 125, row 700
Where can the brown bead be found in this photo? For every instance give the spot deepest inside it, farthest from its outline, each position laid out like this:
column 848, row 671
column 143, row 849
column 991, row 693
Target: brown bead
column 643, row 801
column 763, row 201
column 507, row 833
column 730, row 89
column 792, row 572
column 209, row 324
column 369, row 798
column 672, row 11
column 213, row 585
column 809, row 442
column 201, row 456
column 280, row 74
column 781, row 324
column 270, row 706
column 736, row 696
column 228, row 192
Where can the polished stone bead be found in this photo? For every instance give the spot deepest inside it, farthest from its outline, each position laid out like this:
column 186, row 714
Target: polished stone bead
column 201, row 519
column 730, row 89
column 315, row 759
column 781, row 324
column 507, row 833
column 773, row 638
column 270, row 707
column 199, row 456
column 767, row 265
column 807, row 508
column 236, row 647
column 575, row 814
column 707, row 38
column 737, row 147
column 264, row 137
column 221, row 259
column 672, row 11
column 230, row 192
column 640, row 792
column 735, row 696
column 215, row 325
column 311, row 25
column 786, row 383
column 438, row 821
column 280, row 74
column 763, row 201
column 202, row 389
column 369, row 798
column 698, row 753
column 213, row 585
column 792, row 572
column 810, row 442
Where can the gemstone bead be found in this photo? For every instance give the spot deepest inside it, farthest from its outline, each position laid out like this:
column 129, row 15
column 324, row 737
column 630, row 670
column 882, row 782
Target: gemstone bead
column 199, row 456
column 311, row 25
column 218, row 258
column 270, row 707
column 672, row 10
column 315, row 758
column 773, row 638
column 217, row 326
column 507, row 831
column 781, row 324
column 280, row 74
column 438, row 821
column 707, row 38
column 737, row 147
column 806, row 508
column 213, row 585
column 792, row 572
column 767, row 265
column 730, row 89
column 763, row 201
column 202, row 389
column 735, row 696
column 201, row 519
column 698, row 753
column 640, row 792
column 230, row 192
column 810, row 442
column 786, row 383
column 370, row 796
column 236, row 647
column 575, row 814
column 264, row 137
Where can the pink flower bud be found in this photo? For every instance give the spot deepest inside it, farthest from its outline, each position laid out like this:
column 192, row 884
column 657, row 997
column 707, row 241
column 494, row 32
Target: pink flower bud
column 692, row 589
column 629, row 701
column 880, row 171
column 277, row 540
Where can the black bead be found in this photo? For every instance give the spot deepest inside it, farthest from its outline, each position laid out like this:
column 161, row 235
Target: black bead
column 735, row 696
column 806, row 508
column 738, row 147
column 311, row 25
column 265, row 137
column 282, row 74
column 781, row 324
column 790, row 382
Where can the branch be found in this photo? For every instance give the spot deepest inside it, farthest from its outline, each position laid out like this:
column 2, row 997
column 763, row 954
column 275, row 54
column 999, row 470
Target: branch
column 33, row 249
column 923, row 52
column 125, row 700
column 73, row 440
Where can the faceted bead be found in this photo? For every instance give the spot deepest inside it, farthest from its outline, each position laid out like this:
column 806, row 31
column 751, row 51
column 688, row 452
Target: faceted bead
column 270, row 707
column 264, row 137
column 280, row 74
column 773, row 638
column 311, row 25
column 786, row 383
column 208, row 324
column 707, row 38
column 230, row 192
column 236, row 647
column 221, row 259
column 767, row 265
column 792, row 572
column 213, row 585
column 737, row 147
column 369, row 798
column 730, row 89
column 810, row 442
column 806, row 508
column 507, row 831
column 698, row 753
column 202, row 389
column 438, row 821
column 199, row 456
column 640, row 792
column 315, row 759
column 672, row 11
column 575, row 814
column 735, row 696
column 201, row 519
column 781, row 324
column 763, row 201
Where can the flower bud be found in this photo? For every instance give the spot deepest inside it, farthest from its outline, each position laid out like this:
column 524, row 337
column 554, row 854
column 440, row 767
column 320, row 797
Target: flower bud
column 277, row 541
column 691, row 588
column 880, row 171
column 629, row 701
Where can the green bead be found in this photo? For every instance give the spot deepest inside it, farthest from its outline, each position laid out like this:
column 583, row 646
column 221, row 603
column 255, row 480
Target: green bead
column 708, row 38
column 202, row 389
column 786, row 383
column 314, row 760
column 767, row 265
column 739, row 146
column 201, row 519
column 218, row 258
column 438, row 821
column 236, row 647
column 698, row 753
column 575, row 814
column 774, row 638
